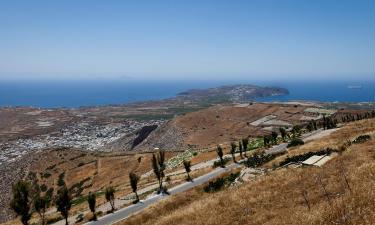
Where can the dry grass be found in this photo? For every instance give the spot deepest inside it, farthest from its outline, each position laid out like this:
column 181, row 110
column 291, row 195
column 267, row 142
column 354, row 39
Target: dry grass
column 277, row 198
column 226, row 123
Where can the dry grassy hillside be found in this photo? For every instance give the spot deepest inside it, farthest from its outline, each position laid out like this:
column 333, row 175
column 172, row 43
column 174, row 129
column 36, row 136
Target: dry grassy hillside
column 86, row 172
column 219, row 124
column 278, row 197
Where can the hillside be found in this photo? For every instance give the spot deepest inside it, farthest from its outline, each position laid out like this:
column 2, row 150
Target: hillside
column 279, row 197
column 225, row 123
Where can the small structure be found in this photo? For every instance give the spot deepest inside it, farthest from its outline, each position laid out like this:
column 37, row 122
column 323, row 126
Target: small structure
column 317, row 160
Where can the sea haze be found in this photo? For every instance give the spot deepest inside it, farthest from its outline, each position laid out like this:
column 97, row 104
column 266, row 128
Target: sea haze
column 53, row 94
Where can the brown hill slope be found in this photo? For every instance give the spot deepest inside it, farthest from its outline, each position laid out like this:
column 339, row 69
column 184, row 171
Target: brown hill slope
column 221, row 123
column 277, row 198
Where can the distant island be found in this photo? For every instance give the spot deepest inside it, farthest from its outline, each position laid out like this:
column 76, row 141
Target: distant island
column 233, row 93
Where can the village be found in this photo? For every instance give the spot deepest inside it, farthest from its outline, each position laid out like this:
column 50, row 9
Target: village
column 83, row 135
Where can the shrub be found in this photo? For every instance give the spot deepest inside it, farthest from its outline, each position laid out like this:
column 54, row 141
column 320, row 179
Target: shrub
column 46, row 175
column 49, row 193
column 219, row 183
column 295, row 142
column 43, row 188
column 258, row 159
column 60, row 181
column 218, row 163
column 214, row 186
column 362, row 139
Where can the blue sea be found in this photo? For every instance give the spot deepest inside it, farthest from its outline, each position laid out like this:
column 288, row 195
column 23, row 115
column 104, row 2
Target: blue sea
column 52, row 94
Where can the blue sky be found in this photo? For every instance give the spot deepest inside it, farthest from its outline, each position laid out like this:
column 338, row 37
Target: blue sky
column 195, row 39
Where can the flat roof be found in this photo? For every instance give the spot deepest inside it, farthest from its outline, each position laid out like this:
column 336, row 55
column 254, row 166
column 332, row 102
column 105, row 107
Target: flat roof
column 317, row 160
column 313, row 159
column 323, row 160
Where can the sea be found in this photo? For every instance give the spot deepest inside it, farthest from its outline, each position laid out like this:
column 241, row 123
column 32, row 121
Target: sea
column 73, row 94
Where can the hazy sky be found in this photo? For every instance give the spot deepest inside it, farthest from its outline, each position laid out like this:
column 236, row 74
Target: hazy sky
column 187, row 39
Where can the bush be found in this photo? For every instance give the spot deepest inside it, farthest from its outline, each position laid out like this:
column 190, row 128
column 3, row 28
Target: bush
column 219, row 183
column 43, row 188
column 217, row 163
column 60, row 181
column 295, row 142
column 46, row 175
column 49, row 193
column 258, row 159
column 361, row 139
column 214, row 186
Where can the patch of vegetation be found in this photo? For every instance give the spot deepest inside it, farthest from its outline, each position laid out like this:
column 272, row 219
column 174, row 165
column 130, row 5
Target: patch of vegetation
column 60, row 181
column 219, row 183
column 83, row 198
column 296, row 142
column 258, row 159
column 303, row 157
column 49, row 193
column 178, row 159
column 78, row 188
column 214, row 186
column 43, row 188
column 146, row 117
column 183, row 110
column 32, row 176
column 217, row 163
column 256, row 143
column 362, row 139
column 45, row 175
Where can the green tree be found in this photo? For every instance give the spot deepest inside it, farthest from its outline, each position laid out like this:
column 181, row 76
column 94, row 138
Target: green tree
column 233, row 151
column 158, row 166
column 41, row 204
column 266, row 141
column 296, row 131
column 187, row 165
column 245, row 143
column 91, row 199
column 21, row 202
column 283, row 133
column 240, row 149
column 110, row 197
column 134, row 178
column 63, row 202
column 274, row 137
column 220, row 153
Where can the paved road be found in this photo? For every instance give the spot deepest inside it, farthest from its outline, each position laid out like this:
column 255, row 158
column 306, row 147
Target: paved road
column 128, row 211
column 305, row 137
